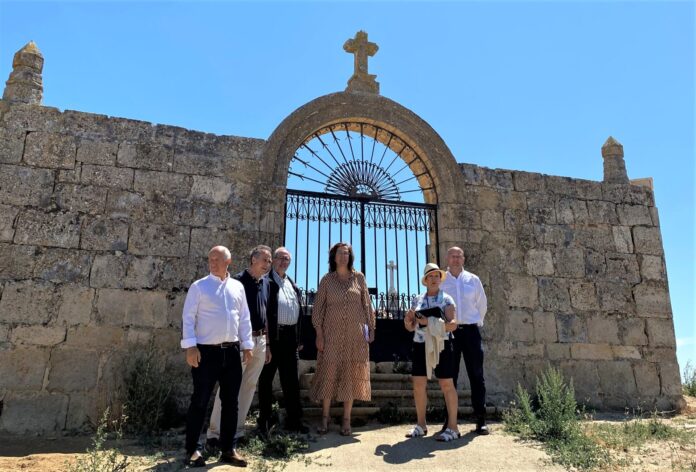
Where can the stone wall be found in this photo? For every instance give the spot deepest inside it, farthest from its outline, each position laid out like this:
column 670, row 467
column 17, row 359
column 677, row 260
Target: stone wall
column 575, row 275
column 104, row 223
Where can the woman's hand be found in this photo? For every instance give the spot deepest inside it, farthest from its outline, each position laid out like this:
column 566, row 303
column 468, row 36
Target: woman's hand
column 320, row 342
column 371, row 337
column 423, row 320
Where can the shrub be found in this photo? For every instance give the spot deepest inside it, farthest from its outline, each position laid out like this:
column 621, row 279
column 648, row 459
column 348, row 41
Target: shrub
column 99, row 458
column 689, row 381
column 149, row 383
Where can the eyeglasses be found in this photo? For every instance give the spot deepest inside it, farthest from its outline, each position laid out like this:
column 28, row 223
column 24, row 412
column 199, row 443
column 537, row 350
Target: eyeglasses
column 283, row 258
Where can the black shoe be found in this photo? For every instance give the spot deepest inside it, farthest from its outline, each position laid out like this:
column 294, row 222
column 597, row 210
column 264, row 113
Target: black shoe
column 482, row 429
column 233, row 458
column 199, row 462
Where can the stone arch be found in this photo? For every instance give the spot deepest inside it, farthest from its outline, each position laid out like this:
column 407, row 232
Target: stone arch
column 374, row 110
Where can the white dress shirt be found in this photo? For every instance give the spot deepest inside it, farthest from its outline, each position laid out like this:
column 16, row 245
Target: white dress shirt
column 216, row 311
column 469, row 298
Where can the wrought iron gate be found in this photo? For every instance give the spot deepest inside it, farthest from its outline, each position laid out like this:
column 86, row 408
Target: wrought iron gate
column 360, row 202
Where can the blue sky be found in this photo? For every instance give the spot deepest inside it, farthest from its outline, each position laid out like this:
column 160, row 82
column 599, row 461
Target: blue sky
column 535, row 86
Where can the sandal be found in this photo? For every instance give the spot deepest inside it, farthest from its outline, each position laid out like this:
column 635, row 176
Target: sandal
column 416, row 432
column 448, row 435
column 324, row 427
column 345, row 430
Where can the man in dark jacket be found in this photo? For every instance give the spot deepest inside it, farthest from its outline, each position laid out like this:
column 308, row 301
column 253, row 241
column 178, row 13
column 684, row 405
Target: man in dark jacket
column 284, row 312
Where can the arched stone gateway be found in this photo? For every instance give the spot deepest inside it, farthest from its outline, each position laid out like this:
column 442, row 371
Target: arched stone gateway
column 418, row 147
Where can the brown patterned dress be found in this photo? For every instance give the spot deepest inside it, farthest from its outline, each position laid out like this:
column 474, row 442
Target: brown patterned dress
column 341, row 309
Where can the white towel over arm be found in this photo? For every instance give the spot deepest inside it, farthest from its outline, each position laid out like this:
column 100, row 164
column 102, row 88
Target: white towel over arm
column 435, row 337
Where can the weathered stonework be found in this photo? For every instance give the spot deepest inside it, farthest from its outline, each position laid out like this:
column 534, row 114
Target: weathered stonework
column 104, row 223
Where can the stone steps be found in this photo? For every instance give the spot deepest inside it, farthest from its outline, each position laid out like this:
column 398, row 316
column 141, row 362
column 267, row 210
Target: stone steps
column 367, row 411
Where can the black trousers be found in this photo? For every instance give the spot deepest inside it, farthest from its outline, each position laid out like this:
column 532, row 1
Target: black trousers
column 283, row 360
column 224, row 366
column 467, row 343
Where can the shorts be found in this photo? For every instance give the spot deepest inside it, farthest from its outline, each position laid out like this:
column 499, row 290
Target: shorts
column 444, row 368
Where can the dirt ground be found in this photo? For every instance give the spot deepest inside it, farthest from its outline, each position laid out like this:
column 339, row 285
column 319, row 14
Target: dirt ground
column 374, row 447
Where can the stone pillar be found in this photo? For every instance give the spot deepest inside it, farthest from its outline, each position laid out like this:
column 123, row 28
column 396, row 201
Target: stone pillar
column 614, row 165
column 25, row 84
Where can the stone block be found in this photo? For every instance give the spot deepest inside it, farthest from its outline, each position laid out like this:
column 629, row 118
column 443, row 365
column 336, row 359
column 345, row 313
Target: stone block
column 539, row 262
column 558, row 351
column 132, row 308
column 654, row 214
column 55, row 229
column 623, row 240
column 124, row 204
column 597, row 237
column 38, row 335
column 202, row 239
column 583, row 295
column 647, row 379
column 632, row 331
column 521, row 291
column 553, row 295
column 571, row 329
column 108, row 271
column 570, row 262
column 570, row 211
column 84, row 198
column 615, row 296
column 603, row 330
column 179, row 273
column 622, row 267
column 545, row 327
column 595, row 264
column 634, row 215
column 517, row 349
column 17, row 262
column 4, row 332
column 626, row 352
column 97, row 338
column 104, row 234
column 42, row 149
column 107, row 176
column 159, row 240
column 541, row 208
column 492, row 220
column 163, row 182
column 75, row 305
column 602, row 212
column 212, row 190
column 621, row 193
column 652, row 299
column 585, row 378
column 83, row 413
column 142, row 272
column 520, row 326
column 652, row 268
column 97, row 152
column 27, row 302
column 528, row 181
column 647, row 240
column 176, row 309
column 11, row 146
column 70, row 176
column 22, row 368
column 7, row 219
column 63, row 265
column 72, row 370
column 145, row 156
column 660, row 332
column 616, row 378
column 659, row 354
column 25, row 186
column 670, row 379
column 591, row 351
column 33, row 413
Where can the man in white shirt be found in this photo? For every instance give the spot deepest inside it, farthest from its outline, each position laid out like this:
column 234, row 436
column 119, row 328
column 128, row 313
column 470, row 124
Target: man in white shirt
column 215, row 328
column 467, row 291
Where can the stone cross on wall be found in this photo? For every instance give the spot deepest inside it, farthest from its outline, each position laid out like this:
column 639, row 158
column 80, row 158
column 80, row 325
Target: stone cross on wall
column 392, row 267
column 361, row 48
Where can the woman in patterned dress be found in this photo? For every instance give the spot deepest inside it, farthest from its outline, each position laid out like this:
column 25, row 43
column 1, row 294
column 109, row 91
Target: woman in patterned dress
column 345, row 324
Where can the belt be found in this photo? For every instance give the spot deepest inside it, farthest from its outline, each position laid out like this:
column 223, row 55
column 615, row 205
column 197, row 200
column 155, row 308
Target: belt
column 223, row 345
column 258, row 332
column 292, row 326
column 462, row 326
